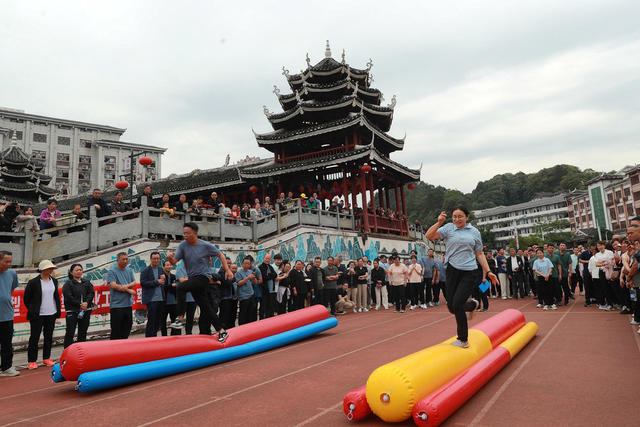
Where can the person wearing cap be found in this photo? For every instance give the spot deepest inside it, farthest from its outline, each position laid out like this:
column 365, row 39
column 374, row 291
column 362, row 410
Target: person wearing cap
column 8, row 282
column 42, row 300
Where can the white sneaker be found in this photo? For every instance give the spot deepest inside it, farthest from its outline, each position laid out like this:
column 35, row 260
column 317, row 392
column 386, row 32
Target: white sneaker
column 554, row 307
column 365, row 309
column 539, row 305
column 430, row 304
column 11, row 372
column 504, row 297
column 359, row 310
column 633, row 322
column 424, row 306
column 638, row 331
column 355, row 310
column 546, row 307
column 581, row 293
column 377, row 307
column 609, row 308
column 463, row 344
column 412, row 307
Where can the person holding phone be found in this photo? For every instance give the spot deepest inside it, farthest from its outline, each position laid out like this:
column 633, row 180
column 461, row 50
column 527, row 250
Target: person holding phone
column 463, row 253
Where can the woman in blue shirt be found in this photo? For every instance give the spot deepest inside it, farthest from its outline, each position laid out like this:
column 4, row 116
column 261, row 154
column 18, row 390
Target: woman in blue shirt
column 542, row 270
column 463, row 254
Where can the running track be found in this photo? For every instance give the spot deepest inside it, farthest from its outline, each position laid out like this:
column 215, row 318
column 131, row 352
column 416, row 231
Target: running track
column 581, row 370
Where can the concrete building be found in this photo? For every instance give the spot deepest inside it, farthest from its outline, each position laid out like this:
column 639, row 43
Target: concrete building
column 504, row 221
column 78, row 155
column 609, row 201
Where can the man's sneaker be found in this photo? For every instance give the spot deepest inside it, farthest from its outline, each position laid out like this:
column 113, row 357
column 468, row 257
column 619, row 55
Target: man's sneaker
column 430, row 304
column 539, row 305
column 424, row 306
column 609, row 308
column 546, row 307
column 11, row 372
column 504, row 297
column 554, row 307
column 48, row 362
column 462, row 344
column 32, row 365
column 581, row 293
column 626, row 311
column 340, row 313
column 412, row 307
column 365, row 309
column 483, row 309
column 177, row 324
column 402, row 311
column 638, row 331
column 633, row 322
column 377, row 307
column 222, row 336
column 601, row 307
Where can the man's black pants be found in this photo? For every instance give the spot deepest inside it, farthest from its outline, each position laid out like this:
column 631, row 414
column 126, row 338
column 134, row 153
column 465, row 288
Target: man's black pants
column 247, row 307
column 198, row 286
column 168, row 310
column 331, row 296
column 121, row 320
column 155, row 310
column 6, row 345
column 228, row 312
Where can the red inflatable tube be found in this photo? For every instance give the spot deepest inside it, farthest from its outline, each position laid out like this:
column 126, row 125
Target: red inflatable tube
column 95, row 355
column 439, row 405
column 355, row 404
column 501, row 326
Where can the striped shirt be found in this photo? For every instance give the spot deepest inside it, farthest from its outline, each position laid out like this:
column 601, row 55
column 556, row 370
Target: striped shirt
column 462, row 244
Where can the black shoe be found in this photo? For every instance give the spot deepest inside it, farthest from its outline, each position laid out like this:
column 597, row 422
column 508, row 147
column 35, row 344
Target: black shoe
column 222, row 336
column 626, row 311
column 177, row 324
column 571, row 296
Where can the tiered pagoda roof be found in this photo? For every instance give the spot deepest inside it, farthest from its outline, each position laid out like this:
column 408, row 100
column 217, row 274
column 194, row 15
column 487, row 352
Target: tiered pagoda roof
column 21, row 179
column 334, row 98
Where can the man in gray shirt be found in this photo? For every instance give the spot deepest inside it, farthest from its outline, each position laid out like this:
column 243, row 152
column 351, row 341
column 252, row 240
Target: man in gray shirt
column 121, row 282
column 196, row 254
column 330, row 285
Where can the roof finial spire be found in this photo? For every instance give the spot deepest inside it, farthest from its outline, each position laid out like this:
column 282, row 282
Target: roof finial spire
column 14, row 138
column 343, row 59
column 327, row 51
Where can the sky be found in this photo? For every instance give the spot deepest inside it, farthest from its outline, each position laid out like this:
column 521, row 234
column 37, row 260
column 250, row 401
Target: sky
column 482, row 87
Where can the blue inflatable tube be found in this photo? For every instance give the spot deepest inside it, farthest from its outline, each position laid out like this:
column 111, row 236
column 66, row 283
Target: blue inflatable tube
column 56, row 374
column 129, row 374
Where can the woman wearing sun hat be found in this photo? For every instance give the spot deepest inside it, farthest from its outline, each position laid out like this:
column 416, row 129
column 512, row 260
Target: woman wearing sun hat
column 42, row 300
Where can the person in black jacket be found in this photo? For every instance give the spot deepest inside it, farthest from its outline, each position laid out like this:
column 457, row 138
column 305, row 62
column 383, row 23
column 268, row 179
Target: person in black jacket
column 96, row 200
column 170, row 300
column 515, row 273
column 299, row 285
column 318, row 277
column 268, row 304
column 43, row 308
column 78, row 301
column 152, row 281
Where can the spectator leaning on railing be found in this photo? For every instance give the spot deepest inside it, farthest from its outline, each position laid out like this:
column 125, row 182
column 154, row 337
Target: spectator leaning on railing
column 96, row 200
column 48, row 215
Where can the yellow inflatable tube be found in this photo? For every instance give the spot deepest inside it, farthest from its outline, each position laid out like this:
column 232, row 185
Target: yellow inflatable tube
column 517, row 341
column 393, row 389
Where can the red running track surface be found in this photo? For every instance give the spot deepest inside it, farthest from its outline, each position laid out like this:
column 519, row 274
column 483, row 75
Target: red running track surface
column 558, row 379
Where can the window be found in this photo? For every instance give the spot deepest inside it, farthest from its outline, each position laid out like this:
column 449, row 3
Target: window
column 62, row 173
column 84, row 176
column 110, row 175
column 85, row 143
column 630, row 209
column 635, row 179
column 623, row 224
column 38, row 155
column 636, row 196
column 64, row 140
column 627, row 192
column 620, row 209
column 618, row 195
column 63, row 157
column 612, row 211
column 84, row 159
column 109, row 160
column 40, row 137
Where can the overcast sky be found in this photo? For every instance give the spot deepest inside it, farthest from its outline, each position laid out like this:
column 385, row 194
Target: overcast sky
column 483, row 87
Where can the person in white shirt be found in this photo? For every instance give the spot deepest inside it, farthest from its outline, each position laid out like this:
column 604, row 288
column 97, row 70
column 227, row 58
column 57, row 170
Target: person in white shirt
column 604, row 260
column 415, row 280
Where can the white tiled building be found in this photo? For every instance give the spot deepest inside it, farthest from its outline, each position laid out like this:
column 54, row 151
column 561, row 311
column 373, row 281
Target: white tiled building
column 78, row 155
column 609, row 201
column 504, row 221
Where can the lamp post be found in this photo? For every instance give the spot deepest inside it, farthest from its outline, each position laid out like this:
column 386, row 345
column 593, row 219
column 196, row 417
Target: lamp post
column 132, row 158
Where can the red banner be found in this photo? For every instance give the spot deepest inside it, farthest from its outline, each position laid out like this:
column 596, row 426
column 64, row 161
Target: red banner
column 100, row 299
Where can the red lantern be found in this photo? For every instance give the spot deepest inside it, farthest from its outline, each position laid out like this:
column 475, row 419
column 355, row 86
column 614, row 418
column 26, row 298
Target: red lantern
column 145, row 161
column 253, row 189
column 121, row 185
column 411, row 186
column 365, row 168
